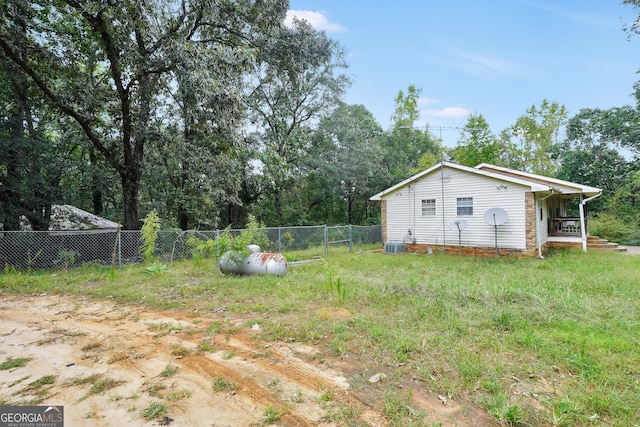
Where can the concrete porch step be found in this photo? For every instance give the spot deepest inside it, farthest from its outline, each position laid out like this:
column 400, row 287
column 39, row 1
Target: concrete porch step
column 594, row 242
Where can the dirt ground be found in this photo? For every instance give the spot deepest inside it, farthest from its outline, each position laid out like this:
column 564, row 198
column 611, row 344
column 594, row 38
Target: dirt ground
column 113, row 365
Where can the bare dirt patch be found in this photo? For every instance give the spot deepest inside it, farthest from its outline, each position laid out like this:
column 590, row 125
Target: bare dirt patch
column 114, row 365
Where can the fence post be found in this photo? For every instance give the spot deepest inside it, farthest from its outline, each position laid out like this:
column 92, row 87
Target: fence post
column 279, row 240
column 350, row 240
column 326, row 240
column 119, row 248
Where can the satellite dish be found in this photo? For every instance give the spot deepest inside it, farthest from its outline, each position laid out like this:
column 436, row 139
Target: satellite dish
column 457, row 225
column 496, row 216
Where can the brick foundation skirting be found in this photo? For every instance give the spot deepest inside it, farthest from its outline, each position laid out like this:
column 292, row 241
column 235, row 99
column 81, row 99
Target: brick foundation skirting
column 477, row 251
column 563, row 245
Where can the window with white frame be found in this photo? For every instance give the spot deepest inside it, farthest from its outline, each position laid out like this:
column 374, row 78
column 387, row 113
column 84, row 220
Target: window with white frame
column 429, row 207
column 465, row 206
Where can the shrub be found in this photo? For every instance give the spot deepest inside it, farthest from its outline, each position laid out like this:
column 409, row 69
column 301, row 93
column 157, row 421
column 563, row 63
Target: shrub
column 615, row 228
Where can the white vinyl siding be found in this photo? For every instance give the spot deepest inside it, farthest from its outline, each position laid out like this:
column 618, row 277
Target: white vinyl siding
column 464, row 206
column 404, row 210
column 399, row 215
column 429, row 207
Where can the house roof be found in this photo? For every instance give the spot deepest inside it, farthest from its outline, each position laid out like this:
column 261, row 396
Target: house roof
column 566, row 187
column 536, row 183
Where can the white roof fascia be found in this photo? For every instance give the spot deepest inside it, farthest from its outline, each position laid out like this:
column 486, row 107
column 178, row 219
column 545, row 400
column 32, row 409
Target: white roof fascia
column 586, row 189
column 534, row 186
column 405, row 182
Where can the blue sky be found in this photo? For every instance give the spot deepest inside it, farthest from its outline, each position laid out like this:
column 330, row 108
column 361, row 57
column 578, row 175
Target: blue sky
column 491, row 57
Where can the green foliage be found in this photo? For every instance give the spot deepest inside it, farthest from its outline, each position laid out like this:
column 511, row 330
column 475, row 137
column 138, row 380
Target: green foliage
column 615, row 228
column 477, row 144
column 155, row 410
column 338, row 288
column 562, row 413
column 286, row 103
column 157, row 268
column 348, row 150
column 14, row 363
column 504, row 413
column 406, row 149
column 169, row 371
column 223, row 384
column 227, row 242
column 99, row 65
column 150, row 228
column 562, row 329
column 535, row 136
column 399, row 410
column 252, row 234
column 406, row 112
column 31, row 259
column 273, row 414
column 67, row 258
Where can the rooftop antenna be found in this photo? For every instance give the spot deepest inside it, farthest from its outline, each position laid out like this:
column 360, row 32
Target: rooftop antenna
column 496, row 217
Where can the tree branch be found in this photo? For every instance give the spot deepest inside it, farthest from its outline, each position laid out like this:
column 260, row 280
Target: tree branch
column 46, row 90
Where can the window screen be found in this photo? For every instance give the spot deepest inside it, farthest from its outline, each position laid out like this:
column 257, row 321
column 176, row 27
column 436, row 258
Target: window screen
column 465, row 206
column 429, row 207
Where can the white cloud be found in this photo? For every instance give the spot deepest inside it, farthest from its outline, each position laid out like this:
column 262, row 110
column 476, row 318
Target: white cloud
column 487, row 66
column 448, row 112
column 572, row 15
column 481, row 65
column 424, row 101
column 317, row 20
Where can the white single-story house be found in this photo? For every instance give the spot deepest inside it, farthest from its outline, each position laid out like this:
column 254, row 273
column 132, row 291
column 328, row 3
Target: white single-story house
column 453, row 208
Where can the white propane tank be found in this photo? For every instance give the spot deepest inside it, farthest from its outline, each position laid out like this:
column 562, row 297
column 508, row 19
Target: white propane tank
column 255, row 263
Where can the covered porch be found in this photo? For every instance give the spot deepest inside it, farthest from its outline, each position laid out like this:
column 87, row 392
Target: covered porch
column 567, row 222
column 563, row 216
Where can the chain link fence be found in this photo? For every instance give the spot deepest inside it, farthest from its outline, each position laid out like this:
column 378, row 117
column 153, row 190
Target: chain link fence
column 40, row 250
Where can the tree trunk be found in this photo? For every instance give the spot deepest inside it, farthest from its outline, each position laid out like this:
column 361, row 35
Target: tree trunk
column 130, row 189
column 96, row 192
column 10, row 196
column 278, row 206
column 183, row 219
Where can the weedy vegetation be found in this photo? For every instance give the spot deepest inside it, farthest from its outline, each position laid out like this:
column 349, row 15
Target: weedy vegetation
column 14, row 363
column 155, row 410
column 535, row 342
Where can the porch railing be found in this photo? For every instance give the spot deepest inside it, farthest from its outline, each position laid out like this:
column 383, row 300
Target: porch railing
column 564, row 226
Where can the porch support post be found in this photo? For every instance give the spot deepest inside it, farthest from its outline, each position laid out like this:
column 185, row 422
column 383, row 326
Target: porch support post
column 583, row 222
column 583, row 232
column 539, row 204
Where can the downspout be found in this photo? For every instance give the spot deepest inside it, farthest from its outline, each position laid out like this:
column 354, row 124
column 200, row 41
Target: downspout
column 583, row 230
column 538, row 223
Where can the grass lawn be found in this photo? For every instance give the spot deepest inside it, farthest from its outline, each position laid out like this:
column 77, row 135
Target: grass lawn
column 552, row 341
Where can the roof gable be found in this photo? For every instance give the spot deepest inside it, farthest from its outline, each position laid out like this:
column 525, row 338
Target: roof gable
column 532, row 185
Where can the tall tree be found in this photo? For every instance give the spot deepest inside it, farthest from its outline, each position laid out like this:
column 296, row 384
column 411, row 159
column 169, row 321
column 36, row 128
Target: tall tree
column 406, row 112
column 536, row 134
column 107, row 65
column 347, row 166
column 196, row 147
column 31, row 158
column 588, row 156
column 476, row 144
column 298, row 81
column 406, row 149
